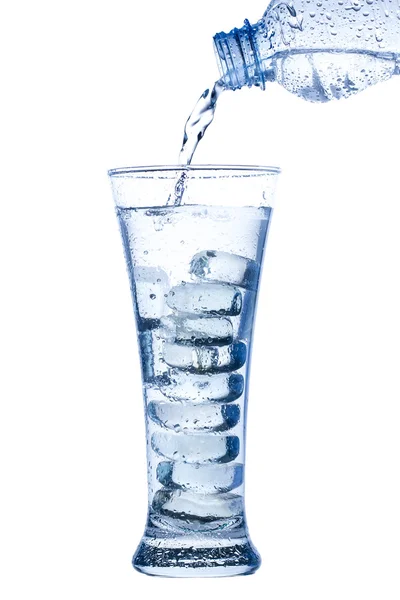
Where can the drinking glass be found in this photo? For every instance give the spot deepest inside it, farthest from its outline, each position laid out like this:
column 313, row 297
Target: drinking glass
column 194, row 261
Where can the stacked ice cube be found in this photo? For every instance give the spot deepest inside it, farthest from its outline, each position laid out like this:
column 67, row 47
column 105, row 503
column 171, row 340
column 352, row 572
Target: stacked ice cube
column 194, row 345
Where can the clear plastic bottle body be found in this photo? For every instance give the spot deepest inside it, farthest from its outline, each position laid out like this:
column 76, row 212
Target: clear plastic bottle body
column 317, row 49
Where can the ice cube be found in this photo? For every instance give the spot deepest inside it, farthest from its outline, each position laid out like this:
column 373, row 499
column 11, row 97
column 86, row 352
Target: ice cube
column 190, row 506
column 215, row 265
column 181, row 385
column 178, row 356
column 206, row 358
column 192, row 418
column 150, row 288
column 196, row 448
column 208, row 298
column 215, row 331
column 200, row 478
column 153, row 394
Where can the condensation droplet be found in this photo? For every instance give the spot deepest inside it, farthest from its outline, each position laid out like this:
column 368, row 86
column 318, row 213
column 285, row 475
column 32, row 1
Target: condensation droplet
column 355, row 5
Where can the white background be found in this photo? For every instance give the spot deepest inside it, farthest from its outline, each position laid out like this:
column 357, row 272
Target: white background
column 91, row 85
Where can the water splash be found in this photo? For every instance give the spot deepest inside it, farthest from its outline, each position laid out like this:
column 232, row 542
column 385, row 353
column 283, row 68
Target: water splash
column 175, row 199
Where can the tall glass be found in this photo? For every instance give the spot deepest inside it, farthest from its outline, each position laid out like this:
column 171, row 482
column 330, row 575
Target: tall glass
column 194, row 271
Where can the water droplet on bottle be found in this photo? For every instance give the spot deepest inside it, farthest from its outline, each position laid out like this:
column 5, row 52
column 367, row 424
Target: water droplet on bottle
column 356, row 5
column 378, row 35
column 153, row 296
column 312, row 14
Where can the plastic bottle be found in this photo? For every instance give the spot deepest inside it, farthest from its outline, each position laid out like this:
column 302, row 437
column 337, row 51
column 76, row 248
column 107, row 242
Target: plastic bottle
column 317, row 49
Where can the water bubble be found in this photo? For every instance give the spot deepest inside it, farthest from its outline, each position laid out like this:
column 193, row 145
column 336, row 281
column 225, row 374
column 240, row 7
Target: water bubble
column 378, row 35
column 153, row 296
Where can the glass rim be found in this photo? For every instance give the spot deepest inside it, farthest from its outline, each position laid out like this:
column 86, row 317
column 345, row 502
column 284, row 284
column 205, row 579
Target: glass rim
column 154, row 169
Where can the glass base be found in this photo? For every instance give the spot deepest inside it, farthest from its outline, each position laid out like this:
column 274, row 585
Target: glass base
column 215, row 555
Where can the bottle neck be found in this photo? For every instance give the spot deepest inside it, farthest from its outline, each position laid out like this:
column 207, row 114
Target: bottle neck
column 238, row 58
